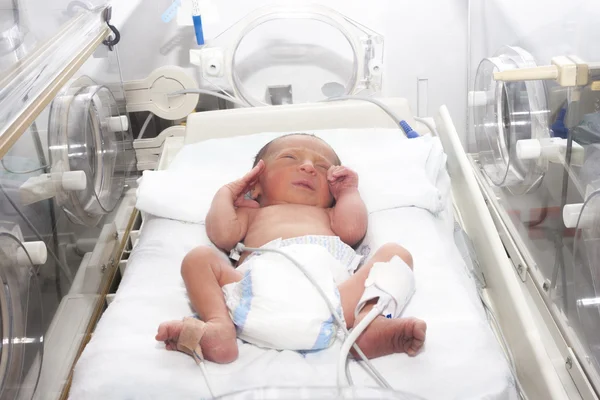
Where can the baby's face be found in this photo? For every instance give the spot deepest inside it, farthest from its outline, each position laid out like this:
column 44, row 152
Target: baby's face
column 296, row 172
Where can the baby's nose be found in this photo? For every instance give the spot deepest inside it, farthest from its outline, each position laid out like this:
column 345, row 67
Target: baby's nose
column 307, row 166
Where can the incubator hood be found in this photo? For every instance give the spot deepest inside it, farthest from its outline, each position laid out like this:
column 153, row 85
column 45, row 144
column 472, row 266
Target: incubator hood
column 534, row 139
column 292, row 54
column 66, row 163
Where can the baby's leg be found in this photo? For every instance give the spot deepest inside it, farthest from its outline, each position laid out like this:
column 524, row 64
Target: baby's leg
column 383, row 336
column 204, row 272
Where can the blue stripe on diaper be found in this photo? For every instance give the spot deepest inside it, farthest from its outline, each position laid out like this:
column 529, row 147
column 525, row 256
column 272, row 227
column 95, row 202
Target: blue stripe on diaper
column 325, row 334
column 328, row 328
column 240, row 314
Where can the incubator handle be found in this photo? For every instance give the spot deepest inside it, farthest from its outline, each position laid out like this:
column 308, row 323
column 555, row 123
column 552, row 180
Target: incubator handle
column 527, row 74
column 45, row 186
column 37, row 252
column 571, row 214
column 566, row 71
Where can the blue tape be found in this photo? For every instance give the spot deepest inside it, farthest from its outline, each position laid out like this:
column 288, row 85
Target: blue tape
column 198, row 29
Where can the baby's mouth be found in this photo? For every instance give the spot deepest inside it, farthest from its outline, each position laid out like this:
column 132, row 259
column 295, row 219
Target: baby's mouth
column 304, row 184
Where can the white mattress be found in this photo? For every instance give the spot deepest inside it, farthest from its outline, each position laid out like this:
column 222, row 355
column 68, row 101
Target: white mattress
column 461, row 357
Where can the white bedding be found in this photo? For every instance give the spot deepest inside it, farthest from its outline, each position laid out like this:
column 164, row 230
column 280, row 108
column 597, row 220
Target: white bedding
column 393, row 171
column 461, row 358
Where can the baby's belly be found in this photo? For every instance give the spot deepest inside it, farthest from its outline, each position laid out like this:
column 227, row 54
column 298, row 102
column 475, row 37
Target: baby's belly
column 263, row 235
column 258, row 236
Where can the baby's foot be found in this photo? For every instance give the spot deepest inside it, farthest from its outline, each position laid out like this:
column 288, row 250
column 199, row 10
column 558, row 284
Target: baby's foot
column 387, row 336
column 218, row 343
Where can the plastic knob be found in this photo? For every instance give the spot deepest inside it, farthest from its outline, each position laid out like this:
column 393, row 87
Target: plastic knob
column 529, row 149
column 477, row 99
column 375, row 68
column 118, row 124
column 37, row 253
column 571, row 213
column 74, row 180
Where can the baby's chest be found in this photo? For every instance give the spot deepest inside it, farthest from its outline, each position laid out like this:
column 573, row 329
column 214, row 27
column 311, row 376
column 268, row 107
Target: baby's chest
column 292, row 215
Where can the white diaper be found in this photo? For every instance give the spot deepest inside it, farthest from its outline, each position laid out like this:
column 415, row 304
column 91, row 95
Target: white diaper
column 276, row 306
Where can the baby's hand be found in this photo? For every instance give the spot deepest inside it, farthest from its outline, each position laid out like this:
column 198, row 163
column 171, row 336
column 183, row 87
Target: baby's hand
column 341, row 179
column 240, row 187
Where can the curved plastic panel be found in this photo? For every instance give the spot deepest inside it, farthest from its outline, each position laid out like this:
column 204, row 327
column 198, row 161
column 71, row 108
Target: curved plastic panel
column 30, row 77
column 21, row 321
column 506, row 113
column 292, row 54
column 586, row 257
column 82, row 137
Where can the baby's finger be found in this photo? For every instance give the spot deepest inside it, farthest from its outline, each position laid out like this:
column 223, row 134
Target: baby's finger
column 333, row 172
column 342, row 172
column 254, row 172
column 330, row 172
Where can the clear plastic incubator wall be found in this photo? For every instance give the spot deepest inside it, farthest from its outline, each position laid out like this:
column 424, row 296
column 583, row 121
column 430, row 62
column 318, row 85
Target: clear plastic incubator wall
column 65, row 163
column 534, row 144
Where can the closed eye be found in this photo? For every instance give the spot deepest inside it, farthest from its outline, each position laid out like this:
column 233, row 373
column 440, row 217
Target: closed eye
column 288, row 156
column 323, row 166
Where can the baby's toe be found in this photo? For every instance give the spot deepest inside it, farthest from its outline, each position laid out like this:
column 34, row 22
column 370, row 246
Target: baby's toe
column 418, row 337
column 169, row 331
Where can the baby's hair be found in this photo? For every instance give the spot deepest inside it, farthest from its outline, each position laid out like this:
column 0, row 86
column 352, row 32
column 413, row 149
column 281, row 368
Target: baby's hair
column 264, row 150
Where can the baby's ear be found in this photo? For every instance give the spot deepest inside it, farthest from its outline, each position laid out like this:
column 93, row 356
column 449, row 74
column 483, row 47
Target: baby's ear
column 255, row 192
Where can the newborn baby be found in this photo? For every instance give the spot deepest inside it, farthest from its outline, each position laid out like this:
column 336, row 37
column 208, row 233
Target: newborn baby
column 297, row 187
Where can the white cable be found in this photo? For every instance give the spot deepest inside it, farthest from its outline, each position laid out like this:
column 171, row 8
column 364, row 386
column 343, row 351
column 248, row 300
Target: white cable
column 146, row 122
column 219, row 90
column 428, row 124
column 378, row 103
column 240, row 247
column 208, row 384
column 207, row 92
column 351, row 339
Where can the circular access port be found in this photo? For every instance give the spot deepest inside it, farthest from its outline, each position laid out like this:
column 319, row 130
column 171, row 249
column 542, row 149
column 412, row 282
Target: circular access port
column 503, row 114
column 586, row 277
column 81, row 138
column 285, row 58
column 21, row 322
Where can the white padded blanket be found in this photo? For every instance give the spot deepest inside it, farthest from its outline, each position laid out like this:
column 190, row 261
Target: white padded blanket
column 461, row 358
column 393, row 171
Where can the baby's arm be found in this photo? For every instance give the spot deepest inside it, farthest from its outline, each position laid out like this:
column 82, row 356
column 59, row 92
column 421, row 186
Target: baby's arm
column 227, row 219
column 349, row 216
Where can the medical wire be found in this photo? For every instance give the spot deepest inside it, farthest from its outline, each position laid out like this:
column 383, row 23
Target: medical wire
column 206, row 378
column 428, row 124
column 378, row 103
column 207, row 92
column 43, row 167
column 408, row 131
column 145, row 125
column 351, row 339
column 241, row 248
